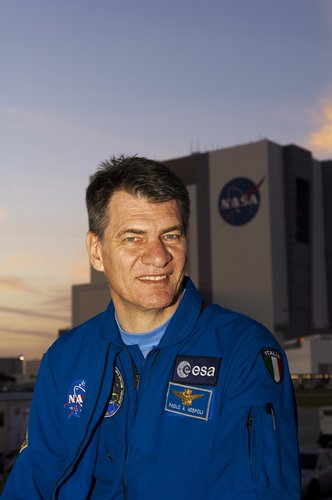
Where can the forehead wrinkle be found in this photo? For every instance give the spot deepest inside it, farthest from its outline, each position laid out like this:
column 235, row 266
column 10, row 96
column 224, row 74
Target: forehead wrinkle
column 142, row 217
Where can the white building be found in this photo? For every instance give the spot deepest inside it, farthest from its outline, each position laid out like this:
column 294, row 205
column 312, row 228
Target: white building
column 311, row 354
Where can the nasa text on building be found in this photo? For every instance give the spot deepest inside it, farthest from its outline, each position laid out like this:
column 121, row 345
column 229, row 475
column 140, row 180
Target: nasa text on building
column 260, row 240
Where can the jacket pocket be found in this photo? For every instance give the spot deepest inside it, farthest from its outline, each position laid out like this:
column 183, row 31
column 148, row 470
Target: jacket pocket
column 272, row 450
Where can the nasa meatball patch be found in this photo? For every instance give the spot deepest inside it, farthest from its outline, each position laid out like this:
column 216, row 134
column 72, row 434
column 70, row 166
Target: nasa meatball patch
column 201, row 370
column 75, row 398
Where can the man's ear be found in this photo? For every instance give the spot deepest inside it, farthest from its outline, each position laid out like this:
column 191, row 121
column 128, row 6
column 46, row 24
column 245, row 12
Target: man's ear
column 93, row 246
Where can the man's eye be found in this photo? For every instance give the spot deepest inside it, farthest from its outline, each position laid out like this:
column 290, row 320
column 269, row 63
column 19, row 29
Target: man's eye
column 171, row 236
column 131, row 239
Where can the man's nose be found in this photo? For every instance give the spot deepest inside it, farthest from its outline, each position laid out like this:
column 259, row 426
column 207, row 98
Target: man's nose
column 156, row 254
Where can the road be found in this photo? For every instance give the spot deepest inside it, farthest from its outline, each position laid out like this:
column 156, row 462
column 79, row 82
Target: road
column 309, row 430
column 308, row 426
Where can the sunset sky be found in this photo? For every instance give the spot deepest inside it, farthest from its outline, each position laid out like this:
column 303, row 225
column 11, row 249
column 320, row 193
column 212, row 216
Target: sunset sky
column 81, row 80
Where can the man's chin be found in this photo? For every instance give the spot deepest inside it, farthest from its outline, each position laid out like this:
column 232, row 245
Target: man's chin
column 160, row 301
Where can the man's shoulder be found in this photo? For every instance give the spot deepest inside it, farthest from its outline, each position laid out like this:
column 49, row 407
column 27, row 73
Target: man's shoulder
column 83, row 334
column 235, row 326
column 226, row 316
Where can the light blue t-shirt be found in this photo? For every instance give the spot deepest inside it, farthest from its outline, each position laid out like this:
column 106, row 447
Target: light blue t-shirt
column 145, row 341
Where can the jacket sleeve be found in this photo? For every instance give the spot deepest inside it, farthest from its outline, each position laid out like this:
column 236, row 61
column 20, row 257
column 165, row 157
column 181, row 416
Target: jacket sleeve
column 39, row 463
column 259, row 421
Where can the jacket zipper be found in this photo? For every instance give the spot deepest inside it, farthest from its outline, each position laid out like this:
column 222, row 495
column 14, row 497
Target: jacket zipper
column 137, row 379
column 249, row 428
column 135, row 372
column 60, row 480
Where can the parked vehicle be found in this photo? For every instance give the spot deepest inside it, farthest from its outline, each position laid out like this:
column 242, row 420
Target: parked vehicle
column 325, row 426
column 316, row 467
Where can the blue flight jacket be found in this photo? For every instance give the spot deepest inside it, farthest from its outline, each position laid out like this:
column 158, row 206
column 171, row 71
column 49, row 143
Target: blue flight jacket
column 209, row 413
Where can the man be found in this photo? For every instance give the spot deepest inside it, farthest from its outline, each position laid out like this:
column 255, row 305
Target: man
column 162, row 396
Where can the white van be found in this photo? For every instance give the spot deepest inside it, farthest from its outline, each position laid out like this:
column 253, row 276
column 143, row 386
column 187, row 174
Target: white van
column 325, row 426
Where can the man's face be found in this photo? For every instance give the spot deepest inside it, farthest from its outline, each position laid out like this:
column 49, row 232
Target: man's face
column 143, row 253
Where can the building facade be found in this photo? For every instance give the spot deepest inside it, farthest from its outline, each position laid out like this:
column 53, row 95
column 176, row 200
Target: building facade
column 11, row 366
column 311, row 354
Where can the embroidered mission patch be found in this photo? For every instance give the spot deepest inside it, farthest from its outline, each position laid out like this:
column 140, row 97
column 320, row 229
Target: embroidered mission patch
column 189, row 401
column 274, row 363
column 75, row 398
column 116, row 400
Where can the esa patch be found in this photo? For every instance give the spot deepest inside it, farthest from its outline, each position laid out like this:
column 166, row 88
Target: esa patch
column 117, row 394
column 201, row 370
column 274, row 363
column 189, row 401
column 75, row 398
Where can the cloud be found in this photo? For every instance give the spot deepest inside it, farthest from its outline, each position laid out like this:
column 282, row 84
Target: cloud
column 58, row 301
column 22, row 331
column 3, row 214
column 320, row 140
column 35, row 314
column 16, row 284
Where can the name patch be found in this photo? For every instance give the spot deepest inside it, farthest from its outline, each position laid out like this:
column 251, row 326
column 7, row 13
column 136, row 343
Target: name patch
column 201, row 370
column 189, row 401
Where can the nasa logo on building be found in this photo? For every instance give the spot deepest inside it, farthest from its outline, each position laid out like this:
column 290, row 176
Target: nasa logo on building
column 239, row 201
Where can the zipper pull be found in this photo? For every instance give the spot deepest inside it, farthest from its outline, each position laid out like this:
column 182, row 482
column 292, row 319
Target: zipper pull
column 270, row 409
column 249, row 421
column 135, row 372
column 136, row 381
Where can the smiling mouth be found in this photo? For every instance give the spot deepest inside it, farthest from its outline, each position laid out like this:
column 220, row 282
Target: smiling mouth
column 154, row 278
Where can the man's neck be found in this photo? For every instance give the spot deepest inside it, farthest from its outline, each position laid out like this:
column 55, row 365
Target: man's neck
column 134, row 320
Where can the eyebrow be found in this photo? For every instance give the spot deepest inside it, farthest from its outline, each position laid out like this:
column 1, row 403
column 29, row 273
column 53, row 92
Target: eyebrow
column 178, row 227
column 133, row 230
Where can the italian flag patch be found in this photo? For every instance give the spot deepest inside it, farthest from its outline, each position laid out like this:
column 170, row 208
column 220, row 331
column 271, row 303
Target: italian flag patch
column 274, row 364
